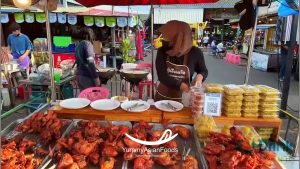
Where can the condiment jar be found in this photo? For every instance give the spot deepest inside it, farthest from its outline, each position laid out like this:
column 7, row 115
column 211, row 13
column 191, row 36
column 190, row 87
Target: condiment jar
column 197, row 99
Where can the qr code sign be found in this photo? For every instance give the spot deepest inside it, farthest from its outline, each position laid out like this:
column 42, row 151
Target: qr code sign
column 212, row 108
column 212, row 104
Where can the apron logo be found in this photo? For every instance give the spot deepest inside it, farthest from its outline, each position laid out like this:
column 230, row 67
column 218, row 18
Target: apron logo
column 166, row 137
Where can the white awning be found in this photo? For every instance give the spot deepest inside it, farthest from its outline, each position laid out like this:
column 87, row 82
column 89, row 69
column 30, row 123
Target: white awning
column 163, row 15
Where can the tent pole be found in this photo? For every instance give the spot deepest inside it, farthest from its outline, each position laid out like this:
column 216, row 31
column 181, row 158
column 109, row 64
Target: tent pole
column 250, row 50
column 49, row 42
column 152, row 48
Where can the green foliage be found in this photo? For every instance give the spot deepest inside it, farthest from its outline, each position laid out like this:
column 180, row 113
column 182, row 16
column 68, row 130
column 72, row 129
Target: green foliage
column 125, row 47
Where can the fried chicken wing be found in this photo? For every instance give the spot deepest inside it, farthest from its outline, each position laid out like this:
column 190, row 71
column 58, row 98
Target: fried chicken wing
column 107, row 163
column 141, row 163
column 165, row 159
column 109, row 151
column 182, row 131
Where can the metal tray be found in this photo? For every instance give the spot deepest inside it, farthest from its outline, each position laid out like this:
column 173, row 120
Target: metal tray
column 189, row 143
column 119, row 160
column 9, row 133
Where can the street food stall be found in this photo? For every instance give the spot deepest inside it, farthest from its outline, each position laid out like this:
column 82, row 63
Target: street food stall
column 221, row 125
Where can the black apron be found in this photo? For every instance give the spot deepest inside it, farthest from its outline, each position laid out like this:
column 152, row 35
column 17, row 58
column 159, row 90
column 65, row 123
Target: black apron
column 179, row 72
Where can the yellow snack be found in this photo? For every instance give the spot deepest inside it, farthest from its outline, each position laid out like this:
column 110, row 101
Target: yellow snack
column 264, row 116
column 226, row 130
column 232, row 104
column 250, row 104
column 246, row 115
column 233, row 90
column 266, row 90
column 268, row 101
column 251, row 98
column 214, row 88
column 268, row 109
column 233, row 115
column 203, row 125
column 234, row 98
column 250, row 108
column 250, row 90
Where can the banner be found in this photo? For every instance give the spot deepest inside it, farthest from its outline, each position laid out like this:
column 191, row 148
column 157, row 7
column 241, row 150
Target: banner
column 132, row 21
column 72, row 19
column 121, row 22
column 88, row 20
column 62, row 18
column 110, row 21
column 29, row 17
column 52, row 17
column 99, row 21
column 19, row 17
column 40, row 17
column 4, row 18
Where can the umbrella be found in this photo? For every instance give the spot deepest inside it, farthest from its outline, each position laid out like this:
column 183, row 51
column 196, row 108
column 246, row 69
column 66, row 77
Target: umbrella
column 90, row 3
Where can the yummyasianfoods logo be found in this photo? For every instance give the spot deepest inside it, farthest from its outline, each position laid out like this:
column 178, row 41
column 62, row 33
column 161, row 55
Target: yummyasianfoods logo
column 166, row 137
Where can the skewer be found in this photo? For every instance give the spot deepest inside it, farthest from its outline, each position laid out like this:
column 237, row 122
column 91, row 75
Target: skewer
column 46, row 164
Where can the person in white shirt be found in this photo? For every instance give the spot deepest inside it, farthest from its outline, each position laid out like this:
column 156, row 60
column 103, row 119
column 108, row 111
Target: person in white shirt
column 220, row 47
column 205, row 40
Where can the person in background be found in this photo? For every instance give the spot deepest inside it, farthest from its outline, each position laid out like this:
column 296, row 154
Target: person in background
column 177, row 61
column 205, row 40
column 20, row 46
column 85, row 56
column 200, row 41
column 283, row 55
column 220, row 47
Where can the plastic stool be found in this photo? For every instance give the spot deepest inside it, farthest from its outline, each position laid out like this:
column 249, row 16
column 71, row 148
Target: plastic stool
column 148, row 84
column 236, row 59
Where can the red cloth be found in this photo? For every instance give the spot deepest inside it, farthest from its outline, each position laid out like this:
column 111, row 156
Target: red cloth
column 139, row 45
column 90, row 3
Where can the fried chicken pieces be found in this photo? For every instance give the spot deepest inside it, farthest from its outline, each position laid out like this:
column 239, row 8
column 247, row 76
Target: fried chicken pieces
column 91, row 143
column 235, row 152
column 47, row 125
column 17, row 157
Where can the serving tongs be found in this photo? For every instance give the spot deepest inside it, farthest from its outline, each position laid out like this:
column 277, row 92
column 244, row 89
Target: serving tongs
column 170, row 106
column 136, row 105
column 185, row 152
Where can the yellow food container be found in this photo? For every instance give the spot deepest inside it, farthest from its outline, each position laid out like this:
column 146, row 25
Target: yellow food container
column 250, row 104
column 251, row 98
column 267, row 90
column 264, row 116
column 232, row 115
column 233, row 90
column 214, row 88
column 227, row 103
column 250, row 90
column 234, row 98
column 268, row 109
column 246, row 115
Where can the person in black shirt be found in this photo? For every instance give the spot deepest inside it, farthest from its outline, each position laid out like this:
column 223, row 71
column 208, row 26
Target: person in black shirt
column 86, row 70
column 177, row 61
column 283, row 55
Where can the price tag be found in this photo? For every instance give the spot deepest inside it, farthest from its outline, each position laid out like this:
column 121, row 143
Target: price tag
column 212, row 104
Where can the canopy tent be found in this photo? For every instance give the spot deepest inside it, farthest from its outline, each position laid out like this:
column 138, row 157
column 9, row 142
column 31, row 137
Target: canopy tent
column 90, row 3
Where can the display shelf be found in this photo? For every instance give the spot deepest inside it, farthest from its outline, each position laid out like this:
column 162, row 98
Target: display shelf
column 151, row 115
column 185, row 116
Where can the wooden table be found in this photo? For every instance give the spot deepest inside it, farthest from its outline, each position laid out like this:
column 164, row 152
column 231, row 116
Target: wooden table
column 185, row 116
column 151, row 115
column 154, row 115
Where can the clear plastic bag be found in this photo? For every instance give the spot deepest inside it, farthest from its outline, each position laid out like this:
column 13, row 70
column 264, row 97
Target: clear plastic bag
column 264, row 116
column 267, row 90
column 233, row 90
column 232, row 115
column 234, row 98
column 250, row 109
column 214, row 88
column 250, row 90
column 251, row 98
column 227, row 103
column 250, row 115
column 250, row 104
column 268, row 109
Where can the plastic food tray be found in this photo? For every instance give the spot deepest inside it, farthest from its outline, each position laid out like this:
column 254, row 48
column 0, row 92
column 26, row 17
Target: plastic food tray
column 232, row 104
column 266, row 90
column 214, row 88
column 73, row 125
column 233, row 90
column 189, row 143
column 9, row 133
column 251, row 98
column 250, row 90
column 235, row 98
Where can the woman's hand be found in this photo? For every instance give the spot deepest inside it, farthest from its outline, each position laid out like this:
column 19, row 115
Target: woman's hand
column 184, row 87
column 198, row 79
